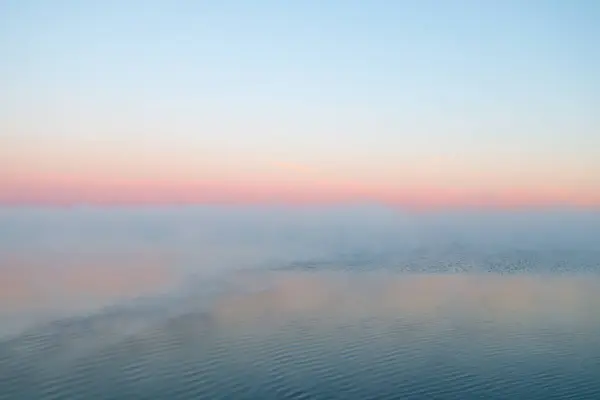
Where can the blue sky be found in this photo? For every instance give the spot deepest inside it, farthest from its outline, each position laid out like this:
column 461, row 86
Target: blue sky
column 477, row 91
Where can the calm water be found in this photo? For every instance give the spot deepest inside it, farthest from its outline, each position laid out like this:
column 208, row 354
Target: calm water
column 343, row 303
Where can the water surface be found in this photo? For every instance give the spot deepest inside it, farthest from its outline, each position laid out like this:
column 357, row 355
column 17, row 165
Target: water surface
column 268, row 304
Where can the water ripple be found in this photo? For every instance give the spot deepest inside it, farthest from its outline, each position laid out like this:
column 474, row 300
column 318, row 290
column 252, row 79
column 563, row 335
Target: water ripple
column 310, row 337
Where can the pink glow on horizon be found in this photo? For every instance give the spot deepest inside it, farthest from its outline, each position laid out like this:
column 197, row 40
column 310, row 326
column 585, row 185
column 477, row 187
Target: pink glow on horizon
column 72, row 191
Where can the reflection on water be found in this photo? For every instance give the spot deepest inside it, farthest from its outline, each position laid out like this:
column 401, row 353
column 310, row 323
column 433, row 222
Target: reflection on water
column 34, row 283
column 501, row 298
column 50, row 286
column 320, row 335
column 275, row 303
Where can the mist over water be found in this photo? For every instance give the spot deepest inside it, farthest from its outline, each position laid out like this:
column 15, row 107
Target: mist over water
column 344, row 302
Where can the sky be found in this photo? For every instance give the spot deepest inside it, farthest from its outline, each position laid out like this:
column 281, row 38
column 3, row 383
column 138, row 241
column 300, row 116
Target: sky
column 406, row 103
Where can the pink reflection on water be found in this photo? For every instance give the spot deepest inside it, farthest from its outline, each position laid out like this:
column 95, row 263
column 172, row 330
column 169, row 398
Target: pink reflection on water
column 49, row 281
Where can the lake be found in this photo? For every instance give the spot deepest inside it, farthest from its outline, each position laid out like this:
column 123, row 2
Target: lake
column 358, row 302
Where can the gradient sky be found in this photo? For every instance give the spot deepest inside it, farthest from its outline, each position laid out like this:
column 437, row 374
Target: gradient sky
column 413, row 103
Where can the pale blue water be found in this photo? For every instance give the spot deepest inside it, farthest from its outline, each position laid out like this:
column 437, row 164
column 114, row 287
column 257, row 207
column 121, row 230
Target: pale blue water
column 266, row 303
